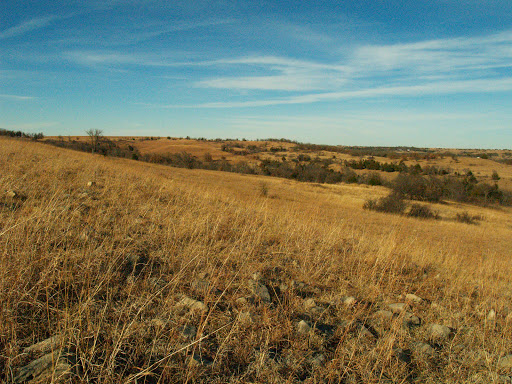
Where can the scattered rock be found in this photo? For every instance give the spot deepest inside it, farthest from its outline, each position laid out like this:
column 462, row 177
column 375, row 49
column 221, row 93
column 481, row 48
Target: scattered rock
column 349, row 300
column 363, row 331
column 317, row 360
column 204, row 286
column 11, row 194
column 410, row 320
column 158, row 323
column 384, row 315
column 439, row 332
column 423, row 348
column 45, row 346
column 51, row 365
column 309, row 304
column 403, row 355
column 188, row 331
column 259, row 290
column 413, row 298
column 505, row 362
column 303, row 327
column 245, row 317
column 241, row 301
column 192, row 305
column 397, row 307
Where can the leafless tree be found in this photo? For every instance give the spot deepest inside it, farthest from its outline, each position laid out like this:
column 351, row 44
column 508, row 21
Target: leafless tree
column 95, row 136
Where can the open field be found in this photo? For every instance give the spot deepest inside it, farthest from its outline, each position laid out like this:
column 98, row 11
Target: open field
column 151, row 274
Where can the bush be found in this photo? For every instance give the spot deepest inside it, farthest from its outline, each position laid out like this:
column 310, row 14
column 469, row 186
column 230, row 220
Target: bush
column 422, row 212
column 393, row 203
column 263, row 189
column 465, row 217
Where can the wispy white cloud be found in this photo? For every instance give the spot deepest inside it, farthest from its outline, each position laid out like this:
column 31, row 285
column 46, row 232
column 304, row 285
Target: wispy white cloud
column 16, row 97
column 28, row 26
column 458, row 65
column 437, row 88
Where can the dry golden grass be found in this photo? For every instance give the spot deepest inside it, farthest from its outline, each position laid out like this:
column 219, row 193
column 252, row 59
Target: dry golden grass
column 105, row 265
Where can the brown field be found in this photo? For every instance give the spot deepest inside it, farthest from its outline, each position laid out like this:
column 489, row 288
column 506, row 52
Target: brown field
column 107, row 253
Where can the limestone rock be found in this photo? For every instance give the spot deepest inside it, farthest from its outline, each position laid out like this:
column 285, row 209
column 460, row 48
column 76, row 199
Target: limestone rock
column 349, row 300
column 11, row 194
column 309, row 303
column 439, row 332
column 43, row 369
column 505, row 362
column 317, row 360
column 192, row 305
column 188, row 331
column 303, row 327
column 410, row 320
column 260, row 290
column 413, row 298
column 423, row 348
column 397, row 307
column 384, row 315
column 45, row 346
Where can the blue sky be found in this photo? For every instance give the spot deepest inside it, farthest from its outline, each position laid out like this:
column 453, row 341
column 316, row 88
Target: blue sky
column 434, row 73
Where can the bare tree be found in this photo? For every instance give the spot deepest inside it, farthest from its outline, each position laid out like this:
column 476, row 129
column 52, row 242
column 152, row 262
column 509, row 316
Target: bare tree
column 95, row 137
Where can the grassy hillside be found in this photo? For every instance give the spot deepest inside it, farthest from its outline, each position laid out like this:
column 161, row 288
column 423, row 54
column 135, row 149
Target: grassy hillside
column 147, row 273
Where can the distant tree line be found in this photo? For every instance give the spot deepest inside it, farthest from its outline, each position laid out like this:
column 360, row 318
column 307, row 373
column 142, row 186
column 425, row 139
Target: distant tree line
column 33, row 136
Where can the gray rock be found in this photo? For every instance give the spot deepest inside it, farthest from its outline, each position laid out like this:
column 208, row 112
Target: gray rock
column 317, row 360
column 413, row 298
column 245, row 317
column 188, row 331
column 192, row 305
column 423, row 349
column 402, row 355
column 410, row 320
column 44, row 368
column 45, row 346
column 384, row 315
column 309, row 303
column 259, row 290
column 363, row 331
column 505, row 362
column 349, row 300
column 11, row 194
column 241, row 301
column 303, row 327
column 397, row 307
column 439, row 332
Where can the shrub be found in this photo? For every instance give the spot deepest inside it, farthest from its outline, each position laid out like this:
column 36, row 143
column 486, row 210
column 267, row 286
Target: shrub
column 373, row 178
column 263, row 189
column 422, row 212
column 393, row 203
column 465, row 217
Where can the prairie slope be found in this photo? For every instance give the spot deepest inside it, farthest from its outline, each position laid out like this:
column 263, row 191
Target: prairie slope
column 106, row 254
